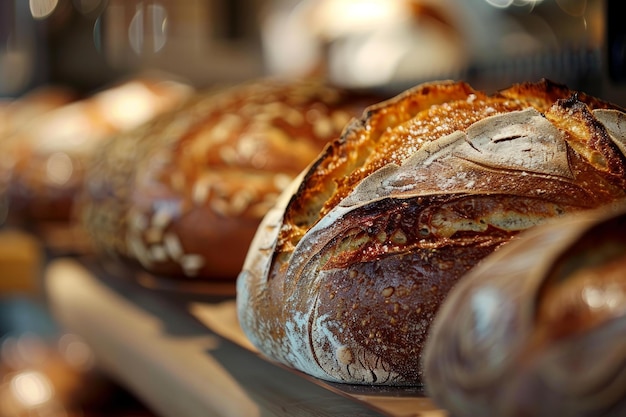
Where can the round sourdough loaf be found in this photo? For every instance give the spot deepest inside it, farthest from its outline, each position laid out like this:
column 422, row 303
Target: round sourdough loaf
column 347, row 271
column 538, row 328
column 182, row 196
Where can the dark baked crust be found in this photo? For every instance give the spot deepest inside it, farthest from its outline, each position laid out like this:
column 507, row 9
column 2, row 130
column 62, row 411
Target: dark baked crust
column 184, row 195
column 346, row 274
column 545, row 340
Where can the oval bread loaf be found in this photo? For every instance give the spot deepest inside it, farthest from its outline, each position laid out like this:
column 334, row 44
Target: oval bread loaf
column 539, row 327
column 347, row 271
column 43, row 163
column 183, row 195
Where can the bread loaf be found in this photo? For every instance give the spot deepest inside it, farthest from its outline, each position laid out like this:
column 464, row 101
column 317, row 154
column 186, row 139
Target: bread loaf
column 347, row 271
column 539, row 327
column 42, row 163
column 182, row 196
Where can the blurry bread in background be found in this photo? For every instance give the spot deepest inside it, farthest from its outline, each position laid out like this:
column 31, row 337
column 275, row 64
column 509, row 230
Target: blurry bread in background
column 363, row 44
column 42, row 161
column 182, row 196
column 393, row 45
column 16, row 113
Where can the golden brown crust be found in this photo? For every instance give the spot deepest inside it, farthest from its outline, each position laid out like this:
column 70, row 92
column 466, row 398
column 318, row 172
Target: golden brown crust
column 389, row 133
column 355, row 262
column 186, row 203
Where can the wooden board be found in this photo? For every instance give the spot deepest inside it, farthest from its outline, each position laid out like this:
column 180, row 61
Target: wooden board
column 183, row 353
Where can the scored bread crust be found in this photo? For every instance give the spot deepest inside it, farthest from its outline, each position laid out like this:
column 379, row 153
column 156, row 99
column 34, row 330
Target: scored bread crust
column 183, row 195
column 346, row 272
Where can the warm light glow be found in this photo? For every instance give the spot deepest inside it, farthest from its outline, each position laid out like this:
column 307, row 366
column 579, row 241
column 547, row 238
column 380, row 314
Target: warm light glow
column 127, row 105
column 344, row 16
column 40, row 9
column 399, row 50
column 59, row 168
column 66, row 128
column 363, row 10
column 368, row 71
column 31, row 388
column 609, row 298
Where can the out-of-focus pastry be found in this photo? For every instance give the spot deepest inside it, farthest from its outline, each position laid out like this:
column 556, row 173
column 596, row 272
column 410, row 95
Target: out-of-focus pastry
column 43, row 162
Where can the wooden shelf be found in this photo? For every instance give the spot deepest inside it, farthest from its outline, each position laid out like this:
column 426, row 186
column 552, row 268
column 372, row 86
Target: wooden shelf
column 182, row 353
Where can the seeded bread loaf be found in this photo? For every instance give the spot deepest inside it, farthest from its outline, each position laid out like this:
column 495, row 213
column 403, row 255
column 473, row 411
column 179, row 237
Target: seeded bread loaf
column 182, row 196
column 347, row 271
column 547, row 340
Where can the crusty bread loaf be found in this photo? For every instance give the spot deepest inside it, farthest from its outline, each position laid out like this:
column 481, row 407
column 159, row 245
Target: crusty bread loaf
column 539, row 327
column 182, row 196
column 347, row 271
column 42, row 163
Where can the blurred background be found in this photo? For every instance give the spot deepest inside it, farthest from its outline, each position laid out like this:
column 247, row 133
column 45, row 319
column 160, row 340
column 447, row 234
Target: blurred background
column 85, row 46
column 388, row 44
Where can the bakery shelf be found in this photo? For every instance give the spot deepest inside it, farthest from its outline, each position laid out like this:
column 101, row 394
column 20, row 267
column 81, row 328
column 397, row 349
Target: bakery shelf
column 180, row 350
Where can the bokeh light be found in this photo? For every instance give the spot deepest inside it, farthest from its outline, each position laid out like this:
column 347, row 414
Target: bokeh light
column 148, row 28
column 31, row 388
column 40, row 9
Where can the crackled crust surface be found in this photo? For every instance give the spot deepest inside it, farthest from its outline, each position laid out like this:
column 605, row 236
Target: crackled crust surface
column 346, row 273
